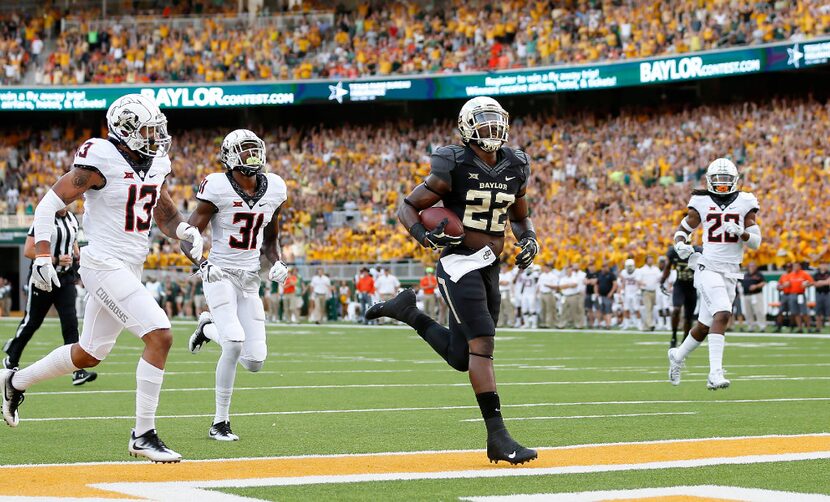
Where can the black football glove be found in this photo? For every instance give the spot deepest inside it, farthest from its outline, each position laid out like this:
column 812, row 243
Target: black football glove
column 529, row 250
column 437, row 239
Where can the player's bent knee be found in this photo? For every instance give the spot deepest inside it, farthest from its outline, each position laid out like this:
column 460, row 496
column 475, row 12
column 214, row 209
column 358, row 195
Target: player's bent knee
column 83, row 359
column 251, row 365
column 159, row 339
column 459, row 362
column 722, row 317
column 483, row 344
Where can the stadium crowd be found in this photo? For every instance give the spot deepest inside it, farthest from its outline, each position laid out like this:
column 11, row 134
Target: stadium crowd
column 407, row 37
column 604, row 188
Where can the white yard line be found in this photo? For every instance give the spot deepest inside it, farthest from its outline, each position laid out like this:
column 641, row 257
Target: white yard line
column 572, row 417
column 441, row 408
column 748, row 378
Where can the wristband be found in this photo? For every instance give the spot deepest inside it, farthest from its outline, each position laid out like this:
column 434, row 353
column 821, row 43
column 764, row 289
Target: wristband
column 180, row 229
column 418, row 232
column 528, row 234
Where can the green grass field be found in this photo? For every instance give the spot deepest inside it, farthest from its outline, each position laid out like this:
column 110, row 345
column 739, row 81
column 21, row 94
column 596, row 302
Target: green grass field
column 343, row 390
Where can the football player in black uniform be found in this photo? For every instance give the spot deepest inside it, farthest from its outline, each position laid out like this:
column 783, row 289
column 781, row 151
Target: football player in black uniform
column 683, row 293
column 484, row 183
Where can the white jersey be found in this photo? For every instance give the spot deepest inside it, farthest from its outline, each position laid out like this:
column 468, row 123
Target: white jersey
column 238, row 225
column 528, row 283
column 630, row 282
column 721, row 251
column 118, row 216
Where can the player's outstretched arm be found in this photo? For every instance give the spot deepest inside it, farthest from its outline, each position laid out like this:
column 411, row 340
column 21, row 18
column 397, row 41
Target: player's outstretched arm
column 199, row 219
column 684, row 232
column 171, row 223
column 522, row 227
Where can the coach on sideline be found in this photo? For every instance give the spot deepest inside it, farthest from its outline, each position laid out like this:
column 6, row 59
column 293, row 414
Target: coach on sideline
column 64, row 257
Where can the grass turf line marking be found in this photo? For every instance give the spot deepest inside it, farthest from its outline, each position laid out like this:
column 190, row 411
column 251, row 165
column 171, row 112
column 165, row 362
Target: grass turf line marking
column 75, row 480
column 440, row 408
column 707, row 492
column 571, row 417
column 746, row 378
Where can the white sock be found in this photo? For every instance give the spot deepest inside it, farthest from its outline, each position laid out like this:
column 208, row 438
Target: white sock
column 56, row 363
column 211, row 332
column 716, row 345
column 148, row 380
column 687, row 347
column 225, row 376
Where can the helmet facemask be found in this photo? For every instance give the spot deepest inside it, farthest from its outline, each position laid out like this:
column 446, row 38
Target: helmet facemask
column 149, row 139
column 246, row 156
column 486, row 125
column 722, row 183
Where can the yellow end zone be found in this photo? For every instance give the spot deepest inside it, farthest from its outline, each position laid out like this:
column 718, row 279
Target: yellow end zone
column 74, row 480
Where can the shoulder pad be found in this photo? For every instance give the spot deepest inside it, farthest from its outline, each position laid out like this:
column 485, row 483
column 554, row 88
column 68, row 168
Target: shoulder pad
column 444, row 160
column 521, row 155
column 95, row 152
column 751, row 199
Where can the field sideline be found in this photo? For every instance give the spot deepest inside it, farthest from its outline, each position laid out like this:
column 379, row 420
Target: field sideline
column 349, row 412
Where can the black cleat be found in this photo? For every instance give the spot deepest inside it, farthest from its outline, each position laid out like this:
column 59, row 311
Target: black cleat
column 221, row 431
column 11, row 397
column 393, row 308
column 7, row 364
column 81, row 377
column 150, row 446
column 500, row 446
column 198, row 338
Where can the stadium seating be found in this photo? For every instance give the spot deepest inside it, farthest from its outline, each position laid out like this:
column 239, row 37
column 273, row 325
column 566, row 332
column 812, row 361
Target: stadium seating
column 603, row 189
column 382, row 38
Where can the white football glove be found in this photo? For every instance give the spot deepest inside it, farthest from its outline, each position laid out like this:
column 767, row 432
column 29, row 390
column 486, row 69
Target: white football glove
column 278, row 273
column 684, row 249
column 211, row 273
column 44, row 274
column 191, row 234
column 733, row 229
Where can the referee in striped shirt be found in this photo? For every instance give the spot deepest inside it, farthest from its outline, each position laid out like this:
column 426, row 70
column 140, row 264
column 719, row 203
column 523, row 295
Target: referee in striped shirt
column 64, row 257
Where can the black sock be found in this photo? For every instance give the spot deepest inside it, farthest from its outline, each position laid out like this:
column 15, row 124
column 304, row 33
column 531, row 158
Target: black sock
column 489, row 404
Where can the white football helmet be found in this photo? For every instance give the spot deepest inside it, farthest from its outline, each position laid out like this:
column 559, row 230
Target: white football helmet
column 242, row 150
column 483, row 120
column 629, row 265
column 137, row 121
column 722, row 177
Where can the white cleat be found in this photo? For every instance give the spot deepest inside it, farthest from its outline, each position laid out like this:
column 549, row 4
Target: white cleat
column 11, row 397
column 222, row 432
column 198, row 338
column 717, row 381
column 674, row 367
column 149, row 445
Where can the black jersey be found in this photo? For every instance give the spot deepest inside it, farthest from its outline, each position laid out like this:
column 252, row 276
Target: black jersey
column 684, row 273
column 480, row 194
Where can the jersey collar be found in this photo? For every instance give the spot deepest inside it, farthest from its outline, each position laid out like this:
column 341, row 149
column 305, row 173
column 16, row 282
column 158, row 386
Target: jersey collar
column 261, row 188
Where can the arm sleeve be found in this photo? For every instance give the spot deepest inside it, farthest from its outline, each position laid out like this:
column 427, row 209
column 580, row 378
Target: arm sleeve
column 442, row 162
column 31, row 232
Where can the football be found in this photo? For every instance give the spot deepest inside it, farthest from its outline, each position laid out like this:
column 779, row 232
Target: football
column 433, row 216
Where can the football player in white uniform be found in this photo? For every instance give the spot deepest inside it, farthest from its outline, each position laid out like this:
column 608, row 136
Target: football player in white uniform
column 242, row 206
column 122, row 179
column 630, row 286
column 728, row 218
